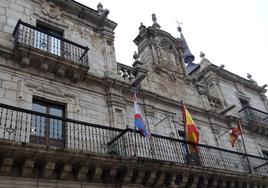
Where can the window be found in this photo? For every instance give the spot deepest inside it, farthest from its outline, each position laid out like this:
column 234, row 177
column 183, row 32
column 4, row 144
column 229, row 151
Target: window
column 244, row 102
column 119, row 118
column 265, row 154
column 46, row 38
column 46, row 130
column 248, row 113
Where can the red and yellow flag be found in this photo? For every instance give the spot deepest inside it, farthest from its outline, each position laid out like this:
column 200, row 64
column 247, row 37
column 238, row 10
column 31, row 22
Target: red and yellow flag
column 191, row 130
column 235, row 133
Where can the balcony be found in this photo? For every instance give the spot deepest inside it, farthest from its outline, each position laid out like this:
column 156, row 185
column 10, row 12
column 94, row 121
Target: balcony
column 255, row 119
column 38, row 135
column 49, row 52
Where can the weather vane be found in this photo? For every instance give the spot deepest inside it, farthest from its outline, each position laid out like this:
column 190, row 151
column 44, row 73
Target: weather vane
column 179, row 25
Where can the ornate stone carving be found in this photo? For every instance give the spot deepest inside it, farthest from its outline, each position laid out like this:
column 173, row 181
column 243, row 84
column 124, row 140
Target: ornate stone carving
column 167, row 58
column 50, row 9
column 61, row 72
column 25, row 62
column 240, row 88
column 44, row 66
column 76, row 77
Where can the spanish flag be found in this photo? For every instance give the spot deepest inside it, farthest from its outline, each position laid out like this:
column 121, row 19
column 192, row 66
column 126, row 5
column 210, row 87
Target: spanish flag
column 235, row 133
column 191, row 130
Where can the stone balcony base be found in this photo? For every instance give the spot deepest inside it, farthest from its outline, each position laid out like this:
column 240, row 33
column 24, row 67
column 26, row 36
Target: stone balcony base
column 45, row 62
column 38, row 166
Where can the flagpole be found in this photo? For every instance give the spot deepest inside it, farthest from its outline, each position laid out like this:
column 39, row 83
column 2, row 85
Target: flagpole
column 222, row 134
column 175, row 127
column 240, row 127
column 184, row 126
column 135, row 132
column 162, row 120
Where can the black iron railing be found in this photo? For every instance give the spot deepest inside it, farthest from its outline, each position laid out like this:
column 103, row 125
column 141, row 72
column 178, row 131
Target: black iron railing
column 253, row 115
column 21, row 125
column 130, row 143
column 44, row 41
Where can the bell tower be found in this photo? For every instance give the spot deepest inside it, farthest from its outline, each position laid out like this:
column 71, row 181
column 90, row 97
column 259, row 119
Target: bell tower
column 160, row 51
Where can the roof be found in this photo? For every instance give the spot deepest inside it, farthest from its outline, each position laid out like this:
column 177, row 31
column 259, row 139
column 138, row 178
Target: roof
column 191, row 67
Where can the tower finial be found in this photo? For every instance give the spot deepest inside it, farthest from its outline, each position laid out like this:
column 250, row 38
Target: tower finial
column 179, row 26
column 142, row 27
column 188, row 56
column 100, row 8
column 155, row 24
column 202, row 54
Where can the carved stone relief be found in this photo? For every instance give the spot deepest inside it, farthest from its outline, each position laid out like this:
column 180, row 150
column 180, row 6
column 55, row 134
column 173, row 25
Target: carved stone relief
column 167, row 61
column 240, row 88
column 50, row 9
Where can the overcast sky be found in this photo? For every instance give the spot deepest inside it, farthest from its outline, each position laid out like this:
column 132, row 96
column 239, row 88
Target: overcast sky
column 229, row 32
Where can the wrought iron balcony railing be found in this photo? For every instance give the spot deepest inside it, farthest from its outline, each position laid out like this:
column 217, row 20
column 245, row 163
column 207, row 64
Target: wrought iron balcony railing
column 46, row 42
column 21, row 125
column 254, row 116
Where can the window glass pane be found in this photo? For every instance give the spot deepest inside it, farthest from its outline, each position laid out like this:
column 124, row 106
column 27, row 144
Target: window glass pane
column 38, row 122
column 55, row 128
column 56, row 110
column 39, row 107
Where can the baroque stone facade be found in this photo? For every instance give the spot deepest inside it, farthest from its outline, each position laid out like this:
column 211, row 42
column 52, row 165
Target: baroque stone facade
column 66, row 112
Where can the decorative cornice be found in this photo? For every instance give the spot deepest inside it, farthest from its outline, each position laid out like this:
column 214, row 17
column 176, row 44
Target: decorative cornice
column 82, row 13
column 231, row 77
column 152, row 32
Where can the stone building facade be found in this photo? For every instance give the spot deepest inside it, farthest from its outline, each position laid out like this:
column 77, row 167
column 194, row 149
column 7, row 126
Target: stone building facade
column 66, row 106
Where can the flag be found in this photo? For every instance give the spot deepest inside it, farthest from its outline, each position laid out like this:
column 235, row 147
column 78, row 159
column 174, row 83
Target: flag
column 235, row 133
column 191, row 130
column 138, row 120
